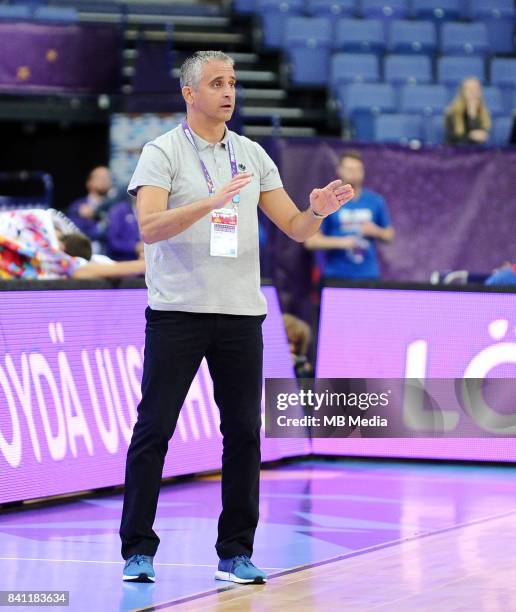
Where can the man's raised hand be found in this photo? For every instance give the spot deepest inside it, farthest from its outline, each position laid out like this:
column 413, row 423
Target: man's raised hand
column 226, row 193
column 330, row 198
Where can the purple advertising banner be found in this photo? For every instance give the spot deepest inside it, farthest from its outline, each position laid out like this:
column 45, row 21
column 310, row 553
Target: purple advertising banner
column 388, row 333
column 59, row 58
column 70, row 371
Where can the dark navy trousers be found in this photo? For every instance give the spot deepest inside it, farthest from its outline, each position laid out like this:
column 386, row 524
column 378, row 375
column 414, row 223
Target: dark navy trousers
column 175, row 344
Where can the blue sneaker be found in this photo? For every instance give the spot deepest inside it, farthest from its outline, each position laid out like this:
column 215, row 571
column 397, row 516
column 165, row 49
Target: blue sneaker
column 138, row 568
column 240, row 569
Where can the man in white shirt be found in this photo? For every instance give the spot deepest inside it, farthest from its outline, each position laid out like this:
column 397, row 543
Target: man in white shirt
column 198, row 188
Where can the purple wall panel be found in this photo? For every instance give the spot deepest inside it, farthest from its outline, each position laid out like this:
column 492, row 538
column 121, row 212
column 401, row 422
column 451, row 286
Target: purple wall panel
column 59, row 58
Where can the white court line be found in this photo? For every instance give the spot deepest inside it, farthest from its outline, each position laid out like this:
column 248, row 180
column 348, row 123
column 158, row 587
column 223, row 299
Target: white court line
column 120, row 562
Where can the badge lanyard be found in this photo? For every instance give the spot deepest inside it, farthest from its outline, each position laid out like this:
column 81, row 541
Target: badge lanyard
column 207, row 177
column 224, row 222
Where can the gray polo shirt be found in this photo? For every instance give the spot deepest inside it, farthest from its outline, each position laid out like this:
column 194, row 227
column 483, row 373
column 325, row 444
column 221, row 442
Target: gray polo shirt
column 181, row 274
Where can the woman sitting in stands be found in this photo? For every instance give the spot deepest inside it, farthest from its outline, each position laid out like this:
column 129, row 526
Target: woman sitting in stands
column 467, row 119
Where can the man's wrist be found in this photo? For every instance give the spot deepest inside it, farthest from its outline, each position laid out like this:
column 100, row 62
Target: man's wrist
column 316, row 214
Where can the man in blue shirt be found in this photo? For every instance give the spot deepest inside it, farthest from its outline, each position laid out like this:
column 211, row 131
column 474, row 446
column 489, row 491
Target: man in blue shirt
column 349, row 235
column 88, row 212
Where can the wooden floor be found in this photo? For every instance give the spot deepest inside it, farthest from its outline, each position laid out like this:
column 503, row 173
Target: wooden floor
column 467, row 568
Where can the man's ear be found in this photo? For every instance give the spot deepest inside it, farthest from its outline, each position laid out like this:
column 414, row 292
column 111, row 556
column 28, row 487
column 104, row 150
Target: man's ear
column 187, row 94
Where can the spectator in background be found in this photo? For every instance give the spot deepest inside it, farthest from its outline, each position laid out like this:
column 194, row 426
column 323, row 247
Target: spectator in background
column 349, row 235
column 123, row 236
column 87, row 265
column 299, row 337
column 467, row 119
column 88, row 212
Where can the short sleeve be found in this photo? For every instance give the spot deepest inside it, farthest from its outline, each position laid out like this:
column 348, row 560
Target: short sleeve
column 269, row 174
column 79, row 262
column 384, row 218
column 153, row 169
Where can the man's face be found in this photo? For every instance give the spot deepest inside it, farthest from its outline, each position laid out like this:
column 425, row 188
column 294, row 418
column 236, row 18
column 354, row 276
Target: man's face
column 215, row 94
column 351, row 171
column 99, row 181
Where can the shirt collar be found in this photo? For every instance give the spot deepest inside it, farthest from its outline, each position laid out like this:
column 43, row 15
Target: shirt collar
column 201, row 144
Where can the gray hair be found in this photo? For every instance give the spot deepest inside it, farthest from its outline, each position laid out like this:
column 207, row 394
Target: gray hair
column 192, row 67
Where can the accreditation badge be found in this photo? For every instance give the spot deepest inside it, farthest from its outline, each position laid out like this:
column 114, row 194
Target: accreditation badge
column 224, row 233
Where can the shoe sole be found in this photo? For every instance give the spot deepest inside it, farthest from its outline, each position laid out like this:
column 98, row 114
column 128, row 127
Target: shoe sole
column 140, row 578
column 228, row 577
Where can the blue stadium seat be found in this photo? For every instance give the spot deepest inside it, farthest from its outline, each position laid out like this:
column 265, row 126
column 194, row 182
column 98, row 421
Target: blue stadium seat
column 20, row 12
column 494, row 101
column 372, row 97
column 424, row 99
column 390, row 9
column 412, row 36
column 451, row 70
column 398, row 128
column 503, row 75
column 332, row 8
column 247, row 7
column 361, row 102
column 360, row 35
column 501, row 131
column 433, row 130
column 308, row 43
column 354, row 68
column 274, row 15
column 439, row 10
column 464, row 39
column 480, row 9
column 498, row 16
column 503, row 72
column 408, row 69
column 500, row 34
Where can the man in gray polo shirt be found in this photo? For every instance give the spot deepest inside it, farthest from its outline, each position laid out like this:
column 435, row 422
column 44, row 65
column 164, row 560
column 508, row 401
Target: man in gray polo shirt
column 198, row 188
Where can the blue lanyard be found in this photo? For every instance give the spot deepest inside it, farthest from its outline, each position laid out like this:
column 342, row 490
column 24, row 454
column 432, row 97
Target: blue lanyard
column 207, row 176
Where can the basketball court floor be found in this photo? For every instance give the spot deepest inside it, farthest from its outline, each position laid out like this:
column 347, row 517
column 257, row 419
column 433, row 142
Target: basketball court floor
column 333, row 535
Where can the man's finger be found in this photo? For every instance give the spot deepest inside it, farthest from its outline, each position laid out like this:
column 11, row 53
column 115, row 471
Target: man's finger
column 343, row 191
column 237, row 187
column 240, row 182
column 242, row 177
column 334, row 185
column 234, row 188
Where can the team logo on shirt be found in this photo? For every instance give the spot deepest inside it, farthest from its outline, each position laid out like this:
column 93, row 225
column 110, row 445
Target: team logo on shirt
column 242, row 167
